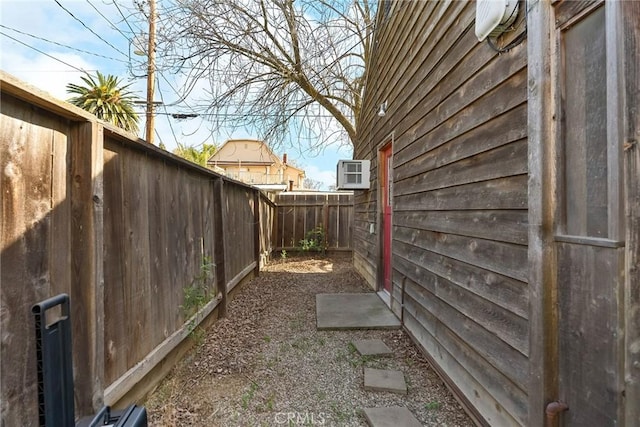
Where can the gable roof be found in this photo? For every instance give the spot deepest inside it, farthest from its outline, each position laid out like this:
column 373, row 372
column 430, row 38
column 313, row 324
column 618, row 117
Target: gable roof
column 246, row 151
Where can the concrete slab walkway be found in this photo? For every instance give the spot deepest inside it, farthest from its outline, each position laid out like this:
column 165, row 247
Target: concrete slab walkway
column 384, row 380
column 395, row 416
column 353, row 311
column 374, row 347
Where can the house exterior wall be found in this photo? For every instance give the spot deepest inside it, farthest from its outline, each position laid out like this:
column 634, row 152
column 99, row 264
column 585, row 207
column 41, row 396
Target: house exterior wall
column 253, row 174
column 248, row 150
column 457, row 118
column 514, row 204
column 295, row 175
column 266, row 175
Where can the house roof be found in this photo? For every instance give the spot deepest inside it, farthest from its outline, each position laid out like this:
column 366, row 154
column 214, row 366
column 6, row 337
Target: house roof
column 247, row 151
column 296, row 168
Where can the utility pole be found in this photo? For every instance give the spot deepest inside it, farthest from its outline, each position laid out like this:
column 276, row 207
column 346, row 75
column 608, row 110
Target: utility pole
column 151, row 69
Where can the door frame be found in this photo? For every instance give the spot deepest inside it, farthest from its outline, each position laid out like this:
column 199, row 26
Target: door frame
column 385, row 147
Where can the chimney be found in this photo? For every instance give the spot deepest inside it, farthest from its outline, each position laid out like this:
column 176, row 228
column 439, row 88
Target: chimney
column 284, row 158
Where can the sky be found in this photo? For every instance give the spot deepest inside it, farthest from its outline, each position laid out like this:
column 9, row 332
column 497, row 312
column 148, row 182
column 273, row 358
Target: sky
column 50, row 43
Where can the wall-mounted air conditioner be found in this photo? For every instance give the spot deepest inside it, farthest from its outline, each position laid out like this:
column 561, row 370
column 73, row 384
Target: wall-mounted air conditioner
column 493, row 17
column 353, row 174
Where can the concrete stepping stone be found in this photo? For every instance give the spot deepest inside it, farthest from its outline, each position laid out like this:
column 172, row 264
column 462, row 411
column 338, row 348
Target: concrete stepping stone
column 353, row 311
column 384, row 380
column 395, row 416
column 375, row 347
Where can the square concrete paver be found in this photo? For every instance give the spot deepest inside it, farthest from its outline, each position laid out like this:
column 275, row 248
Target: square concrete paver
column 374, row 347
column 384, row 380
column 354, row 311
column 395, row 416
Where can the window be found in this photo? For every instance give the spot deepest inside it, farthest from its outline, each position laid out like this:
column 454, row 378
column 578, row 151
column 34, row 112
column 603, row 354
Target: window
column 584, row 126
column 353, row 173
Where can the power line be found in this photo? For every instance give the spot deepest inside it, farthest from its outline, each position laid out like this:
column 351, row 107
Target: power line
column 317, row 116
column 178, row 115
column 44, row 53
column 124, row 18
column 181, row 98
column 110, row 23
column 133, row 32
column 93, row 32
column 63, row 45
column 166, row 112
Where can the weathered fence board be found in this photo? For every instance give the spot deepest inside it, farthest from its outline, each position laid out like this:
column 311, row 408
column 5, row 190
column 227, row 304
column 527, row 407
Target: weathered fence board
column 27, row 245
column 47, row 246
column 167, row 225
column 267, row 228
column 151, row 213
column 298, row 214
column 239, row 228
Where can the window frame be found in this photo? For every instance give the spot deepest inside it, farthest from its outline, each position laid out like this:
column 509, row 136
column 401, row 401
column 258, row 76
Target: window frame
column 615, row 209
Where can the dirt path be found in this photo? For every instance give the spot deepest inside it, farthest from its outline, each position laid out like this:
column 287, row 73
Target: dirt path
column 266, row 364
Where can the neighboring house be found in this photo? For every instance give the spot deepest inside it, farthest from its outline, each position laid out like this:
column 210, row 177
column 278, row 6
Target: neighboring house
column 503, row 215
column 252, row 161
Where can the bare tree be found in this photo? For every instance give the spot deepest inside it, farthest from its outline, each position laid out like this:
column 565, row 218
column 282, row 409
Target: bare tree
column 312, row 184
column 280, row 67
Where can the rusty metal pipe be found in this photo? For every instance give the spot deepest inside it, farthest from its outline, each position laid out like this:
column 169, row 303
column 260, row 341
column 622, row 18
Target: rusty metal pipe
column 552, row 411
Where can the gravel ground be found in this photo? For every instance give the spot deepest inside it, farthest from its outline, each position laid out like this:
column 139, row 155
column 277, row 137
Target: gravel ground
column 266, row 364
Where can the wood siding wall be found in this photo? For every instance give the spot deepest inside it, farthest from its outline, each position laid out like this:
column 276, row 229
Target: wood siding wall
column 298, row 214
column 457, row 118
column 119, row 225
column 630, row 13
column 583, row 82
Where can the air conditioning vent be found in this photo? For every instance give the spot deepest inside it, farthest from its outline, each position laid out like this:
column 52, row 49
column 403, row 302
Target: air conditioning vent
column 353, row 174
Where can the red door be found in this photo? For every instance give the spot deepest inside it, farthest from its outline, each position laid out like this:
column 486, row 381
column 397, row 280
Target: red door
column 387, row 192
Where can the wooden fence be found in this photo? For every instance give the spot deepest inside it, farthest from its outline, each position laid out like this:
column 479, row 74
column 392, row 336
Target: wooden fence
column 122, row 227
column 165, row 223
column 299, row 213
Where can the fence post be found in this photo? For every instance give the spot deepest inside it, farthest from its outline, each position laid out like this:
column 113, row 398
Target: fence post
column 87, row 271
column 256, row 230
column 325, row 221
column 219, row 246
column 279, row 224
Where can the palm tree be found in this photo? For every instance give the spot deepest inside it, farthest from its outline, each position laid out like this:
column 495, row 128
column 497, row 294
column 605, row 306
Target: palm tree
column 195, row 155
column 107, row 100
